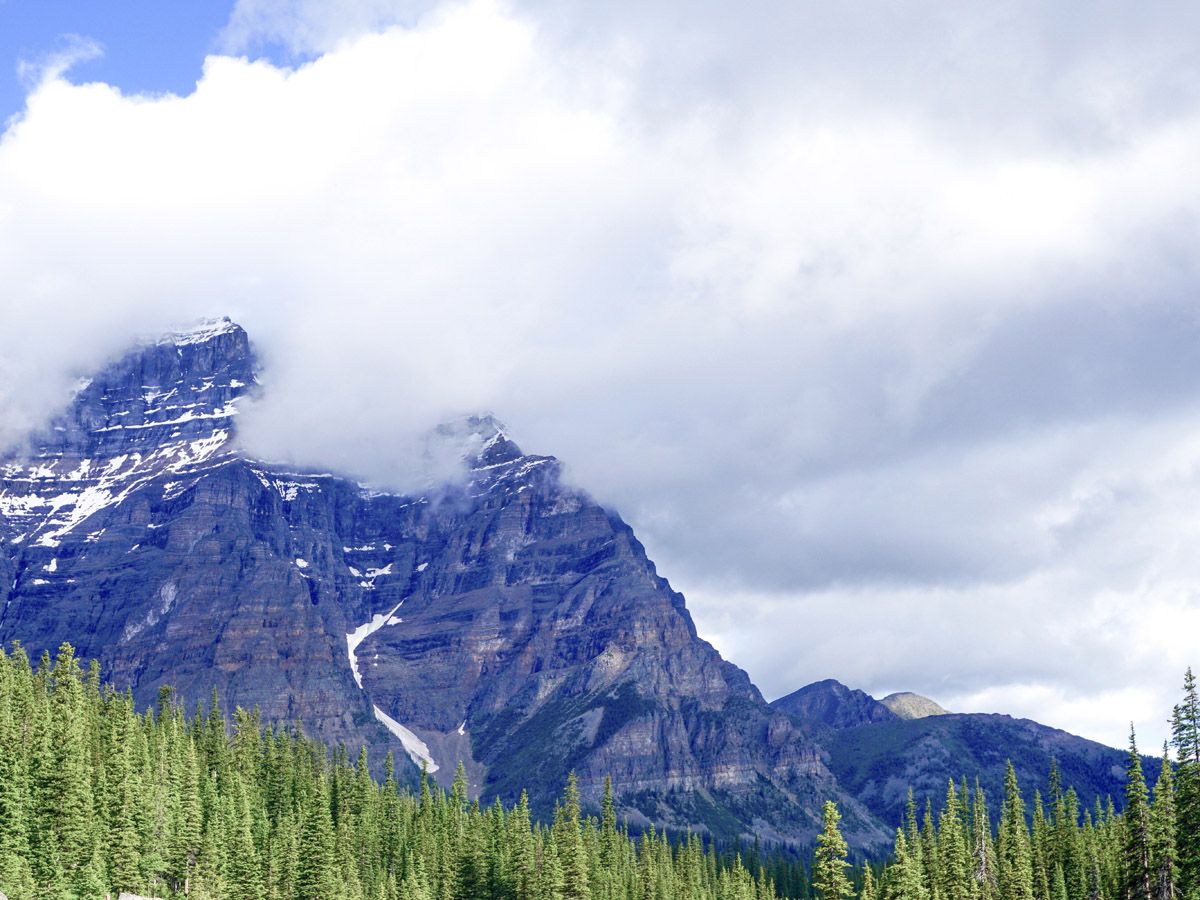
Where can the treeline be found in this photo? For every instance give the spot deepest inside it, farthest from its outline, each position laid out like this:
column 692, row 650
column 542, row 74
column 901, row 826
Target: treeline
column 96, row 798
column 1052, row 851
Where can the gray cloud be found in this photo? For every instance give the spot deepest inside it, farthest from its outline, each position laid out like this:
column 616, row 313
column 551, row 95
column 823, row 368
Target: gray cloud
column 877, row 322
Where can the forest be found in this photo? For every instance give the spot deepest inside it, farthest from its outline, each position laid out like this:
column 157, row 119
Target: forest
column 97, row 797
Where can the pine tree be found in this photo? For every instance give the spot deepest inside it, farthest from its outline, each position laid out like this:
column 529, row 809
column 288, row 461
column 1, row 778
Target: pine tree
column 1185, row 737
column 1137, row 854
column 1162, row 833
column 576, row 884
column 1039, row 845
column 315, row 877
column 984, row 865
column 904, row 877
column 867, row 892
column 1058, row 884
column 15, row 801
column 829, row 863
column 1015, row 870
column 954, row 877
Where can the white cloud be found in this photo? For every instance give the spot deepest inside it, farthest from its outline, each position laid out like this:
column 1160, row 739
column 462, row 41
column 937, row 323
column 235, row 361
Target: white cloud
column 73, row 49
column 877, row 327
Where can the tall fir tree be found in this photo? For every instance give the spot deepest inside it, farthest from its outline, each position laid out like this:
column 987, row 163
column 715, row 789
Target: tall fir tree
column 829, row 862
column 1136, row 857
column 1163, row 854
column 1015, row 869
column 1185, row 737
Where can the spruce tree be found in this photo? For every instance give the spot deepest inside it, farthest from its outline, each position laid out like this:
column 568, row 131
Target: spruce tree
column 1163, row 854
column 1185, row 737
column 954, row 860
column 829, row 862
column 904, row 877
column 1137, row 831
column 867, row 892
column 1015, row 869
column 315, row 876
column 572, row 853
column 984, row 864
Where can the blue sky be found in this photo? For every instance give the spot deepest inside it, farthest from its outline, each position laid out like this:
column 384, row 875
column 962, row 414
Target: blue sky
column 877, row 321
column 148, row 46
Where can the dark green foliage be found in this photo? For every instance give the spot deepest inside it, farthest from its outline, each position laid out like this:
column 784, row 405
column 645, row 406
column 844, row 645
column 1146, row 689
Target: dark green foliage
column 96, row 799
column 1185, row 737
column 829, row 866
column 1136, row 859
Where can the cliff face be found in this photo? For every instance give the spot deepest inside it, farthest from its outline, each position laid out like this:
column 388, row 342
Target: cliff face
column 508, row 620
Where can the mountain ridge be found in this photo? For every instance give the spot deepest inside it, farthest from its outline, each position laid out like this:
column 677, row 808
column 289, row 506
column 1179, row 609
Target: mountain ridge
column 505, row 620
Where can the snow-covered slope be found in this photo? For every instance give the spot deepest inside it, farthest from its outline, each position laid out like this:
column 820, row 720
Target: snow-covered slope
column 165, row 411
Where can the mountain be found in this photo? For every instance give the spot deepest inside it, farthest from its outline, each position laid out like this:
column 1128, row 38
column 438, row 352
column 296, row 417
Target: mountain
column 878, row 763
column 828, row 705
column 506, row 620
column 880, row 749
column 908, row 705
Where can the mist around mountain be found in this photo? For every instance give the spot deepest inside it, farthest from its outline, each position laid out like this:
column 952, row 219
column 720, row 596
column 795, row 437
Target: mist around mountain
column 502, row 619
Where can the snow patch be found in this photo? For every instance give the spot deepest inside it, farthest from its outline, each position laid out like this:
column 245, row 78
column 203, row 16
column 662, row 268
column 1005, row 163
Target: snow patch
column 361, row 633
column 205, row 331
column 417, row 749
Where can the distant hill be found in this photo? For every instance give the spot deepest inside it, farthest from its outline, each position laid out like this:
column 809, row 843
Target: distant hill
column 878, row 749
column 907, row 705
column 878, row 763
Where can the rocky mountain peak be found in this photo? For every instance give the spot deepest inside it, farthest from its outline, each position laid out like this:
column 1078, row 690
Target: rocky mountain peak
column 166, row 407
column 908, row 705
column 829, row 704
column 478, row 439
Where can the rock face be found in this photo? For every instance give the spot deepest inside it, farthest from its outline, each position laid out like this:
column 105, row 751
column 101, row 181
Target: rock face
column 508, row 621
column 907, row 705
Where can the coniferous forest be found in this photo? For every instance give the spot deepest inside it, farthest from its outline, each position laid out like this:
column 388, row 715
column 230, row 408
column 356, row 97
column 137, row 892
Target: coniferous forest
column 98, row 797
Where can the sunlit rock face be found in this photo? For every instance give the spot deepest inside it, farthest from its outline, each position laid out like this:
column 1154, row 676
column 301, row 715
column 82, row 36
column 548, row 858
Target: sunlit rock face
column 504, row 619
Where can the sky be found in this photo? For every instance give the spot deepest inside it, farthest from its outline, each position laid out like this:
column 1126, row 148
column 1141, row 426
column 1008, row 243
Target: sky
column 878, row 322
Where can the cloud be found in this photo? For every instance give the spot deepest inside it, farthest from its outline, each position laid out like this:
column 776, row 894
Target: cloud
column 73, row 50
column 880, row 329
column 304, row 28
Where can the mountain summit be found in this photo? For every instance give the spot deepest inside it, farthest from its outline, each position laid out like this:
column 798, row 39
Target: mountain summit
column 908, row 705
